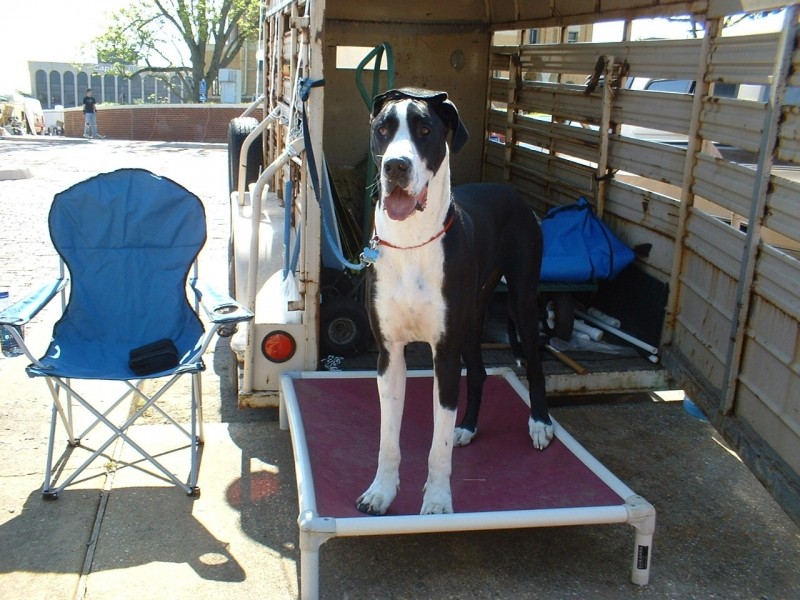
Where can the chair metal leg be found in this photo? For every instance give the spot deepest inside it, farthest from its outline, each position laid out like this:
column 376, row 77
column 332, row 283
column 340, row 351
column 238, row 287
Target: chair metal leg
column 65, row 412
column 62, row 410
column 197, row 434
column 197, row 381
column 47, row 490
column 118, row 432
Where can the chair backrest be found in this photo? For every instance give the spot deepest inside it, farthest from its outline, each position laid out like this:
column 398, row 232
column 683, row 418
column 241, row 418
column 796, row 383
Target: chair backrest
column 129, row 239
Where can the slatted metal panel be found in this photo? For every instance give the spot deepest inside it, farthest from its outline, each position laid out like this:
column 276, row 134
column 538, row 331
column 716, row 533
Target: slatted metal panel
column 724, row 183
column 570, row 140
column 789, row 140
column 769, row 375
column 794, row 73
column 500, row 57
column 498, row 90
column 654, row 110
column 645, row 217
column 645, row 58
column 648, row 210
column 648, row 159
column 719, row 114
column 744, row 59
column 494, row 157
column 783, row 208
column 721, row 243
column 561, row 101
column 496, row 122
column 708, row 294
column 542, row 189
column 778, row 283
column 559, row 173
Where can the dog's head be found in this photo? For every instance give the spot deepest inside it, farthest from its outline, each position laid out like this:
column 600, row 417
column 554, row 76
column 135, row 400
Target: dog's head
column 410, row 128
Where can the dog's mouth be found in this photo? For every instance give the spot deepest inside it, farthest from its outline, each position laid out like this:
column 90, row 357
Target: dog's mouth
column 399, row 204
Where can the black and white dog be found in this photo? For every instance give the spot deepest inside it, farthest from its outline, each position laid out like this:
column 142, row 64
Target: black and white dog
column 440, row 254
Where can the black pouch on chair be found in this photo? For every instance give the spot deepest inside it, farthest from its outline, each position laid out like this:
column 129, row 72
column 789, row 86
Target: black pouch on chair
column 154, row 357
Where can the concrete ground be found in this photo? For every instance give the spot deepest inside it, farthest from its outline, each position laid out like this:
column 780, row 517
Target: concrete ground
column 123, row 533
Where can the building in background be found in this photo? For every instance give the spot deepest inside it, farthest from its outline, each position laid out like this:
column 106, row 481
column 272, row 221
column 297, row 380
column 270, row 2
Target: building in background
column 65, row 84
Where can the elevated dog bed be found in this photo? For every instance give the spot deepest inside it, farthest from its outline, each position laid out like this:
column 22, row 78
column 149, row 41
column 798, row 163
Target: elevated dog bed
column 498, row 481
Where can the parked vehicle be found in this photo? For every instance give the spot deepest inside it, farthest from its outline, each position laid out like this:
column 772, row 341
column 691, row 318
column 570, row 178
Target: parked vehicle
column 717, row 301
column 26, row 110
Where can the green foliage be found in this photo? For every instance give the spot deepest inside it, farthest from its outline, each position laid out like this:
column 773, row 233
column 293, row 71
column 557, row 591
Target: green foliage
column 192, row 39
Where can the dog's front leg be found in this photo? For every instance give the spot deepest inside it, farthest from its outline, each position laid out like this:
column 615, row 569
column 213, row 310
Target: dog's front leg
column 438, row 498
column 392, row 391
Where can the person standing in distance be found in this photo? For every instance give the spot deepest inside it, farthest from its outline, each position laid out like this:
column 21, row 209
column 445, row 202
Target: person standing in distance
column 90, row 115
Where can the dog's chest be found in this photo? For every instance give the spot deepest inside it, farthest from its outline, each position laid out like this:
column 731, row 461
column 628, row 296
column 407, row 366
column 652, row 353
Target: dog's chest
column 409, row 300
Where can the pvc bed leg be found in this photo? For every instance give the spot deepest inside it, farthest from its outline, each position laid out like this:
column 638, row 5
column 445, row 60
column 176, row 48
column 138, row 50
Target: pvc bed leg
column 309, row 565
column 642, row 516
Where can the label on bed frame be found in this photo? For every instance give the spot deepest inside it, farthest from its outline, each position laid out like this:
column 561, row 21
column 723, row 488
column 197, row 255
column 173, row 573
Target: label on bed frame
column 642, row 553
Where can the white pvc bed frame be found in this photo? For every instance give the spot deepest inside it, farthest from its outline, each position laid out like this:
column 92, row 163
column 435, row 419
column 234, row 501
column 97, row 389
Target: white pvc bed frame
column 316, row 529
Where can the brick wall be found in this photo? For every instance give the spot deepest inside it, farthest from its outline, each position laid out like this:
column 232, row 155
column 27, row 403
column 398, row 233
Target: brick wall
column 162, row 122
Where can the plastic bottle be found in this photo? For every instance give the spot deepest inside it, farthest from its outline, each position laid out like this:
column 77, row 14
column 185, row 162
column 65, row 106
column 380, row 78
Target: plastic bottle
column 8, row 344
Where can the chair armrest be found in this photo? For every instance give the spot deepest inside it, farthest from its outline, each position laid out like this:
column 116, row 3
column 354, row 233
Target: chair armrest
column 218, row 306
column 28, row 307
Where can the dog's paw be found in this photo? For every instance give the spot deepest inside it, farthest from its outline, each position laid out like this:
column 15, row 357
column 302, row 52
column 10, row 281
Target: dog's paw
column 462, row 437
column 541, row 433
column 376, row 500
column 437, row 500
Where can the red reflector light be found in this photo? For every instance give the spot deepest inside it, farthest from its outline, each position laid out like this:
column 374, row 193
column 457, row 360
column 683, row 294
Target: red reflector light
column 278, row 346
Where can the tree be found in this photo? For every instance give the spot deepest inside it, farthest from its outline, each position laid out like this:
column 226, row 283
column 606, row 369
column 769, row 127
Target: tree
column 192, row 39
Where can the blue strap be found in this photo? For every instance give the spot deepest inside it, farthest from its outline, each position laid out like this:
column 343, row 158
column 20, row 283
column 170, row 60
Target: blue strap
column 313, row 173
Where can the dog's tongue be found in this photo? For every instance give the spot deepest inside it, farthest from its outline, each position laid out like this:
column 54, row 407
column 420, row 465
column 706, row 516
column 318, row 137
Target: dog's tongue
column 400, row 204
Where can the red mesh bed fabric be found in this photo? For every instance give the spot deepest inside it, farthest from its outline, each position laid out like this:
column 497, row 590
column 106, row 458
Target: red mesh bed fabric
column 499, row 471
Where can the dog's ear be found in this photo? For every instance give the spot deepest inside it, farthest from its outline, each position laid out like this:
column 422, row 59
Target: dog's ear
column 449, row 114
column 446, row 110
column 379, row 100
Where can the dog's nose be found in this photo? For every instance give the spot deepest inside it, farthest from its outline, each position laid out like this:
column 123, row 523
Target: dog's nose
column 396, row 169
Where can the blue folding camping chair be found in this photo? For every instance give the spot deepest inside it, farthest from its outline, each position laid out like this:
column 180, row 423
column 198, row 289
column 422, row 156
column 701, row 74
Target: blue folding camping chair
column 129, row 240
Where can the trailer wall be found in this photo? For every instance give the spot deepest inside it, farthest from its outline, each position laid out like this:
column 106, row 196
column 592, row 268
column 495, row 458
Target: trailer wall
column 724, row 232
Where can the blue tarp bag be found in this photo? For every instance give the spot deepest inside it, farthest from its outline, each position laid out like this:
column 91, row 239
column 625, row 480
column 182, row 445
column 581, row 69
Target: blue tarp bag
column 578, row 247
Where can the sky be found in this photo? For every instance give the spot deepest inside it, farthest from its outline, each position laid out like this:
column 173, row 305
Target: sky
column 63, row 27
column 661, row 28
column 52, row 31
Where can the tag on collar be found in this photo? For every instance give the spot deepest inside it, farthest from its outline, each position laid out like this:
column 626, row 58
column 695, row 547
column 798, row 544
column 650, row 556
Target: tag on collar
column 370, row 255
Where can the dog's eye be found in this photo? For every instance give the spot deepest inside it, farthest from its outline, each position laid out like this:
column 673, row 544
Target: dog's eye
column 382, row 131
column 423, row 131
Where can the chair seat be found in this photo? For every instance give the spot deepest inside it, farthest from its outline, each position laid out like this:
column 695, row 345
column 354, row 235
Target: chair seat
column 102, row 361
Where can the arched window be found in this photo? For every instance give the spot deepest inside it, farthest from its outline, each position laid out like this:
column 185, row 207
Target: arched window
column 136, row 90
column 123, row 89
column 41, row 88
column 109, row 88
column 97, row 87
column 55, row 89
column 70, row 90
column 83, row 84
